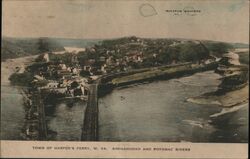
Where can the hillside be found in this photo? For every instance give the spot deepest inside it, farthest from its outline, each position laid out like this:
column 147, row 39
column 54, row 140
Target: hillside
column 156, row 51
column 17, row 47
column 166, row 50
column 76, row 42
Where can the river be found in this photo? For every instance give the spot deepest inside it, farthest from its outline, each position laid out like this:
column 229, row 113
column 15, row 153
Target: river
column 155, row 111
column 12, row 113
column 158, row 111
column 12, row 109
column 66, row 120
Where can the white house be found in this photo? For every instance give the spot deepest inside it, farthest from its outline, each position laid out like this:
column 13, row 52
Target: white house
column 39, row 77
column 103, row 68
column 63, row 66
column 52, row 84
column 76, row 71
column 46, row 57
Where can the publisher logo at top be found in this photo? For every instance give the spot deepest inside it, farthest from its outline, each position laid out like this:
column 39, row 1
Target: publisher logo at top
column 188, row 11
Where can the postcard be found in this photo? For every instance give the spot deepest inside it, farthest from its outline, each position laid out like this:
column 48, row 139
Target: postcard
column 125, row 79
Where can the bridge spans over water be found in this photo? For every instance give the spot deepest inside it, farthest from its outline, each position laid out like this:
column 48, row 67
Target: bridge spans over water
column 90, row 123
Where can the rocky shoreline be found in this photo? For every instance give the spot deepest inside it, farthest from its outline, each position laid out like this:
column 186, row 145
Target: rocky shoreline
column 232, row 93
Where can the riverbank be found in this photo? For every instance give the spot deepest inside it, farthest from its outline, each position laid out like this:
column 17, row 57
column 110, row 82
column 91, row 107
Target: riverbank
column 158, row 111
column 227, row 100
column 107, row 84
column 11, row 66
column 111, row 81
column 232, row 93
column 13, row 112
column 163, row 73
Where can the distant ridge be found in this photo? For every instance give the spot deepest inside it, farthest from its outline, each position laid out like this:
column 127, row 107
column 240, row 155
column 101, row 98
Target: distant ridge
column 17, row 47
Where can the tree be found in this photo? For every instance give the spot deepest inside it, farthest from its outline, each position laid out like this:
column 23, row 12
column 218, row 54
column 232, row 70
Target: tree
column 21, row 79
column 74, row 85
column 43, row 45
column 218, row 48
column 40, row 58
column 84, row 73
column 191, row 52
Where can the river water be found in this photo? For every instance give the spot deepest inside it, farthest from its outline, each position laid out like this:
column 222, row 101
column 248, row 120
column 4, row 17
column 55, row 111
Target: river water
column 12, row 109
column 66, row 120
column 12, row 113
column 158, row 111
column 155, row 111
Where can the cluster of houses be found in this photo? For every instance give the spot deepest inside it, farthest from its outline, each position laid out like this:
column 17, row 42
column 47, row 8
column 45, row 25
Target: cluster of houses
column 124, row 55
column 132, row 52
column 73, row 79
column 62, row 79
column 116, row 59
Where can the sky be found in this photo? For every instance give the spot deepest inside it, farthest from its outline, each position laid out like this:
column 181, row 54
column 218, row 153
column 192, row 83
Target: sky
column 221, row 20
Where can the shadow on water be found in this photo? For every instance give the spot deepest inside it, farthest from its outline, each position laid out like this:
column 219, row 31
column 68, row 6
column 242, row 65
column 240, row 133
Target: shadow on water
column 65, row 119
column 232, row 128
column 12, row 113
column 50, row 110
column 230, row 134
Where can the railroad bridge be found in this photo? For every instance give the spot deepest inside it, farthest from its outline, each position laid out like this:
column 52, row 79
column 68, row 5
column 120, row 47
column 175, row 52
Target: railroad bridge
column 90, row 123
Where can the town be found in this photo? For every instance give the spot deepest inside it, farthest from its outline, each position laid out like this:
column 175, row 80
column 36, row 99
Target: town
column 73, row 75
column 69, row 73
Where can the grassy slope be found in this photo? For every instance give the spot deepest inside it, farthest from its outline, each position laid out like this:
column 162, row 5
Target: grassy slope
column 244, row 57
column 182, row 69
column 15, row 47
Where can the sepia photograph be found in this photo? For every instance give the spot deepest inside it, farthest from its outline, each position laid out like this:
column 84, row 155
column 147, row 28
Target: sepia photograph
column 121, row 71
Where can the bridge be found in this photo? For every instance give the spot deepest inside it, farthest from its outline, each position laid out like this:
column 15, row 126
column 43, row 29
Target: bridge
column 90, row 123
